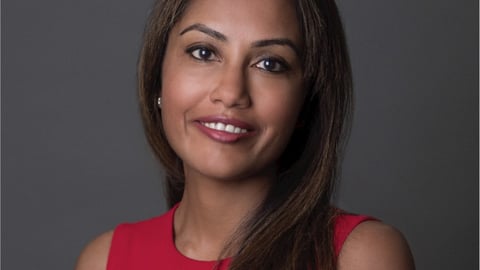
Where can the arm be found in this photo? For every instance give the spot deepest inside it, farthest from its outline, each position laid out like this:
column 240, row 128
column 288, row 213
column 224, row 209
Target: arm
column 373, row 245
column 95, row 255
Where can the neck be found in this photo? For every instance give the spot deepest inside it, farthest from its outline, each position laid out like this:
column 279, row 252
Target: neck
column 212, row 210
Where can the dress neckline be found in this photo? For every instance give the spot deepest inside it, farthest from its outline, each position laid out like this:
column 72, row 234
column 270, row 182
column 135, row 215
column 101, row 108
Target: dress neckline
column 179, row 255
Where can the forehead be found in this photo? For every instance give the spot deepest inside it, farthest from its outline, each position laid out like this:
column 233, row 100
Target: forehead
column 255, row 19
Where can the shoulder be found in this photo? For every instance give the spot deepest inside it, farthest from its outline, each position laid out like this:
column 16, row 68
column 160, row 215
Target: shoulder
column 116, row 243
column 128, row 238
column 95, row 255
column 374, row 245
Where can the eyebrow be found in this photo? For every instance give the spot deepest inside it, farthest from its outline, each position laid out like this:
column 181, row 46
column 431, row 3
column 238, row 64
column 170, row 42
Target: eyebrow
column 260, row 43
column 277, row 41
column 205, row 29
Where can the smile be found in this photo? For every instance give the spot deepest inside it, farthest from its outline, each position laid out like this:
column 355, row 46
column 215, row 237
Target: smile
column 224, row 127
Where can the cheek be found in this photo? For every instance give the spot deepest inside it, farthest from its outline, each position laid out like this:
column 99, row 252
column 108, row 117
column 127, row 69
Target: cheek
column 182, row 83
column 175, row 98
column 280, row 104
column 181, row 88
column 279, row 107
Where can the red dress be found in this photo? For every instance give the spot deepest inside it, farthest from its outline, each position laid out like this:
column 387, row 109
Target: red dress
column 149, row 245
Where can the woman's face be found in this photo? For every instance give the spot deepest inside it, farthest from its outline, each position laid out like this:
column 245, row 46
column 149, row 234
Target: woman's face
column 232, row 86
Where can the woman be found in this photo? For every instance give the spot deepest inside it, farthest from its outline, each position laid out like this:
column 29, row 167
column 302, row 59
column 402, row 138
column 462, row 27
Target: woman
column 244, row 104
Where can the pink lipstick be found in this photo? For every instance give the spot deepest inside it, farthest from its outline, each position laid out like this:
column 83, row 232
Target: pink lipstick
column 223, row 129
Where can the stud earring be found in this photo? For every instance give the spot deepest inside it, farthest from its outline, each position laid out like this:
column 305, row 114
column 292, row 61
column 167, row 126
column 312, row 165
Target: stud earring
column 159, row 102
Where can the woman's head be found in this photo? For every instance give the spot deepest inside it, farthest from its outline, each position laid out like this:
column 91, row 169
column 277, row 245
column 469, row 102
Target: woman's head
column 316, row 38
column 312, row 47
column 232, row 87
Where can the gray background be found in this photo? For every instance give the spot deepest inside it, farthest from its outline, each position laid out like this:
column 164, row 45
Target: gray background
column 75, row 162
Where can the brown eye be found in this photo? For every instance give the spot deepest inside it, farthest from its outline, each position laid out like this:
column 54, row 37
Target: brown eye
column 202, row 53
column 272, row 65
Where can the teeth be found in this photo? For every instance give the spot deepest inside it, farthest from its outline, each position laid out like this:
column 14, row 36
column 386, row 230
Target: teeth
column 220, row 126
column 227, row 128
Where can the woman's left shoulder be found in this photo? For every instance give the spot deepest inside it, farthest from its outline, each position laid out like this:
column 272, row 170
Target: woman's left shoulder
column 374, row 245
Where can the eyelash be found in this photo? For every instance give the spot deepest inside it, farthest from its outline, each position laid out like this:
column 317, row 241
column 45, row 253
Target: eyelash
column 280, row 65
column 191, row 51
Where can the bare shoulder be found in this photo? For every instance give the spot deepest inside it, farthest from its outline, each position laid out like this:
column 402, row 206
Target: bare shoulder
column 95, row 255
column 374, row 245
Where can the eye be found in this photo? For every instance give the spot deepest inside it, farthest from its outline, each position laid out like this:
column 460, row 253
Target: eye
column 272, row 65
column 202, row 53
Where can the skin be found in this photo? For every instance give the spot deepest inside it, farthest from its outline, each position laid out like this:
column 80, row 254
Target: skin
column 236, row 78
column 234, row 83
column 218, row 63
column 376, row 246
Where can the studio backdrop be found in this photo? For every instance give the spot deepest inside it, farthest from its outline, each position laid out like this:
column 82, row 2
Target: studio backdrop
column 75, row 162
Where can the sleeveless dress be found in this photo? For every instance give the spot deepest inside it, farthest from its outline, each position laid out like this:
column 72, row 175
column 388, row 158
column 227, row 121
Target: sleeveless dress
column 149, row 245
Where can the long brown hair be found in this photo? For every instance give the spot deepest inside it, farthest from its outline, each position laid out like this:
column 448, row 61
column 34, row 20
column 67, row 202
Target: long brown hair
column 293, row 228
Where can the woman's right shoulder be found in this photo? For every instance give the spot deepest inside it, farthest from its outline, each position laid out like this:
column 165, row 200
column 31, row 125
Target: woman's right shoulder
column 132, row 238
column 95, row 255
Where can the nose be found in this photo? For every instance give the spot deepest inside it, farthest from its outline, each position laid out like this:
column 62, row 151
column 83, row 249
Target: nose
column 232, row 89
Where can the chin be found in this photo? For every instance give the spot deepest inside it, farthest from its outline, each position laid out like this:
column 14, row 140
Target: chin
column 231, row 173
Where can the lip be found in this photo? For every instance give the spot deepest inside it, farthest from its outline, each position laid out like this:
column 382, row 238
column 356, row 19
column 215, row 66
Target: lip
column 223, row 136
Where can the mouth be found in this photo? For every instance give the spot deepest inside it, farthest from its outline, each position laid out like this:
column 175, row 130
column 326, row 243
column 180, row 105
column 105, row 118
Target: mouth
column 223, row 129
column 229, row 128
